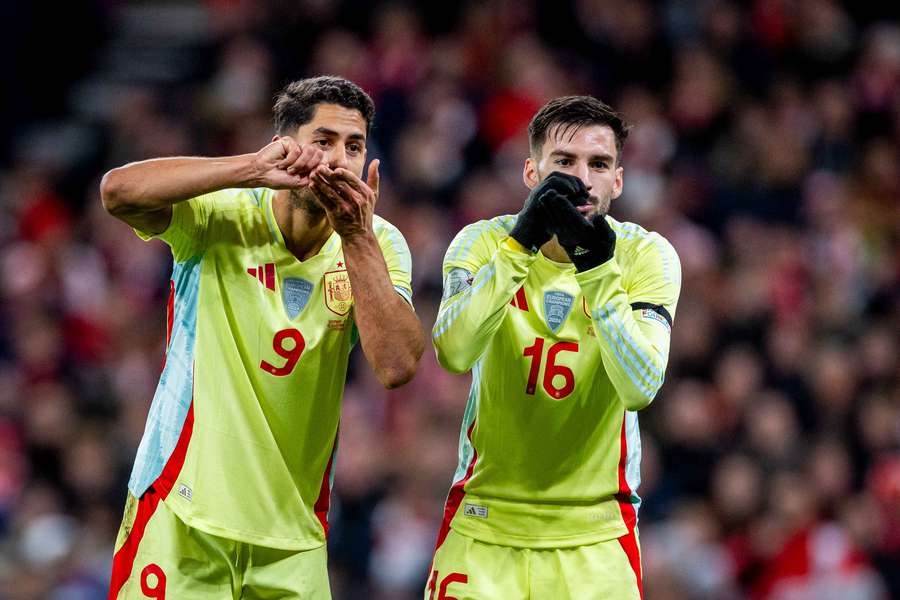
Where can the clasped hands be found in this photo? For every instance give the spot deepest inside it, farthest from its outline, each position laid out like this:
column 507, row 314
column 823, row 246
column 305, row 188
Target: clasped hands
column 558, row 206
column 348, row 201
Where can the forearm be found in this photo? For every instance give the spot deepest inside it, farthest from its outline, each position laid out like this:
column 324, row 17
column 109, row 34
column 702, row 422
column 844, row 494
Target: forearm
column 157, row 184
column 634, row 353
column 468, row 320
column 390, row 333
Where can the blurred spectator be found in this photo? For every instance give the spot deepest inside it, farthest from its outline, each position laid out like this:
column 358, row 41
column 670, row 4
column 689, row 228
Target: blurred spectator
column 766, row 147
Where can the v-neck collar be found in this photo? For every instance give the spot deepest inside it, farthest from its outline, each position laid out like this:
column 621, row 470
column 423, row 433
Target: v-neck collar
column 268, row 197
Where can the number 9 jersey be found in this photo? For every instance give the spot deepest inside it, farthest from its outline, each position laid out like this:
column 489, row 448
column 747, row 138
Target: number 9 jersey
column 549, row 453
column 242, row 431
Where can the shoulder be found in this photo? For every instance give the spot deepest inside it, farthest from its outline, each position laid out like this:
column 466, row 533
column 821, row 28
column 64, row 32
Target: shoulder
column 233, row 204
column 490, row 231
column 391, row 241
column 388, row 234
column 644, row 248
column 383, row 227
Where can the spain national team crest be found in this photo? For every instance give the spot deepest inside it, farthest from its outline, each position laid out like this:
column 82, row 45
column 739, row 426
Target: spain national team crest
column 295, row 293
column 338, row 295
column 556, row 308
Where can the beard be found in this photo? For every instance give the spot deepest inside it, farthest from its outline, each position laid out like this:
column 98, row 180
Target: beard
column 304, row 199
column 601, row 205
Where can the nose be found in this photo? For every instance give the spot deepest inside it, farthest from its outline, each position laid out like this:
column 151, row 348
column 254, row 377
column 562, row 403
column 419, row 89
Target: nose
column 337, row 158
column 582, row 172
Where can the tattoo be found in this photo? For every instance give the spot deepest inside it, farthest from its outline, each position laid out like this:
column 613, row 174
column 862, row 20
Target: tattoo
column 458, row 280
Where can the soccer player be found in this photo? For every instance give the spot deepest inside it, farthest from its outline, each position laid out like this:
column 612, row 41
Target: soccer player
column 279, row 267
column 563, row 315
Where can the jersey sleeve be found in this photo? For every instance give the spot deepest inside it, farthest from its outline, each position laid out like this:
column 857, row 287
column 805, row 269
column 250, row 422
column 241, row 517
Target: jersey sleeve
column 483, row 269
column 396, row 256
column 186, row 234
column 633, row 317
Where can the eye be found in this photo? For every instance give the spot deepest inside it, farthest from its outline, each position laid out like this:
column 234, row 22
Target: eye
column 600, row 165
column 354, row 148
column 322, row 143
column 564, row 162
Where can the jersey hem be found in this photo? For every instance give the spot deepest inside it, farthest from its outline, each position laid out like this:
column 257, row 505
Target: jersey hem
column 523, row 541
column 290, row 544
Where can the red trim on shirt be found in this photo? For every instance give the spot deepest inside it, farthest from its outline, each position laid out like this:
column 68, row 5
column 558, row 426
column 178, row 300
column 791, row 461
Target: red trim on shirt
column 521, row 299
column 454, row 498
column 170, row 312
column 123, row 561
column 629, row 540
column 270, row 276
column 324, row 499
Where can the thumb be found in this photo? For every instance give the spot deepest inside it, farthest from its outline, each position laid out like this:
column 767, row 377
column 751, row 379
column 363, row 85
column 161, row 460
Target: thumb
column 373, row 179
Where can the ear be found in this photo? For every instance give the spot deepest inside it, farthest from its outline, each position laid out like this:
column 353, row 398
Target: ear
column 276, row 137
column 618, row 183
column 530, row 174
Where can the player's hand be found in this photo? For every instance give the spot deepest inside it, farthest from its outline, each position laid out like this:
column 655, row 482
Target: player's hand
column 285, row 164
column 349, row 202
column 588, row 243
column 531, row 228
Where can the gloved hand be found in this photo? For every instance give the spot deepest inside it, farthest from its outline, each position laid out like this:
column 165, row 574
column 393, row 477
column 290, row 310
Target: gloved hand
column 588, row 243
column 531, row 228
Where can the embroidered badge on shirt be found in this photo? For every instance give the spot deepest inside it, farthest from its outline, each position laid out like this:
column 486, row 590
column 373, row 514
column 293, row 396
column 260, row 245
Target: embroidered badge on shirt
column 556, row 308
column 458, row 280
column 338, row 294
column 295, row 292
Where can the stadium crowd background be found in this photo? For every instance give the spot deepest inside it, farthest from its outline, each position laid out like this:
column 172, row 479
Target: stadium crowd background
column 766, row 147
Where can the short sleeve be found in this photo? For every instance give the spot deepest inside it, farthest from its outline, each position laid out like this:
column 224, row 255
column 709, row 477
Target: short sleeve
column 656, row 275
column 475, row 244
column 396, row 256
column 186, row 234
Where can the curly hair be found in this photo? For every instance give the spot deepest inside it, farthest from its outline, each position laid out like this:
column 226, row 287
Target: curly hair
column 295, row 105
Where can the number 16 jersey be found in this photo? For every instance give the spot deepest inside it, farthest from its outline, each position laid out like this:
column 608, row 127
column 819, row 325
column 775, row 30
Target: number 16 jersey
column 561, row 360
column 242, row 431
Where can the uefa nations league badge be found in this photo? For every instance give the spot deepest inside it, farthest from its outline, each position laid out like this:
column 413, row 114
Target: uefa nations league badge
column 556, row 308
column 295, row 292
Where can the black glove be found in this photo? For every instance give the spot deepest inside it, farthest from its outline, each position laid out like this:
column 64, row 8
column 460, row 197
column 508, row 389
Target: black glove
column 531, row 228
column 588, row 243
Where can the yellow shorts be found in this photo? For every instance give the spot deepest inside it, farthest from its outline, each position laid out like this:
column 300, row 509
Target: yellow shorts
column 466, row 569
column 158, row 556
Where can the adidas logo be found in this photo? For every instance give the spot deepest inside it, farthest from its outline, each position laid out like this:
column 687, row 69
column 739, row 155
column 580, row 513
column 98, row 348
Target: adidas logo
column 579, row 251
column 265, row 274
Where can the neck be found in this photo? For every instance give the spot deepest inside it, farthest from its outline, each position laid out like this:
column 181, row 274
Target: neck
column 304, row 232
column 555, row 252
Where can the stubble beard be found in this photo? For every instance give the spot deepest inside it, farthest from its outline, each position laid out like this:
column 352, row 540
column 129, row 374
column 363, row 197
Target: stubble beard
column 601, row 206
column 304, row 200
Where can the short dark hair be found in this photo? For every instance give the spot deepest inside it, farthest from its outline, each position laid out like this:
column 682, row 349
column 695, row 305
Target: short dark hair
column 295, row 105
column 574, row 112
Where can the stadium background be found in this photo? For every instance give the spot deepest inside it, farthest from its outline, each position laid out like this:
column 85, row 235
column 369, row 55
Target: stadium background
column 766, row 148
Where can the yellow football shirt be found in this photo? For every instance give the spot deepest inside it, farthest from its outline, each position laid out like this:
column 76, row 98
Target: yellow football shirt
column 561, row 361
column 254, row 373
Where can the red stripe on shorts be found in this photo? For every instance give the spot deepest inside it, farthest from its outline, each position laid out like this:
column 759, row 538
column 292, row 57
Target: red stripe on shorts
column 123, row 561
column 629, row 540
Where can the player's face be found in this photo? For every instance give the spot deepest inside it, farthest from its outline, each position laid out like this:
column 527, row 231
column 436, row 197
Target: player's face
column 588, row 153
column 341, row 134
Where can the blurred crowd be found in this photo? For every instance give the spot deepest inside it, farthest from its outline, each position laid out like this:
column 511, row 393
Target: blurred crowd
column 766, row 148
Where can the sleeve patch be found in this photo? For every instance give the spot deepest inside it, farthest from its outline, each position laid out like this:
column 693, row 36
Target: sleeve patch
column 654, row 312
column 457, row 280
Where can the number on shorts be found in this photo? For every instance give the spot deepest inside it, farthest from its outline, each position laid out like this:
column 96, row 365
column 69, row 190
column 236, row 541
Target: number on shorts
column 442, row 591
